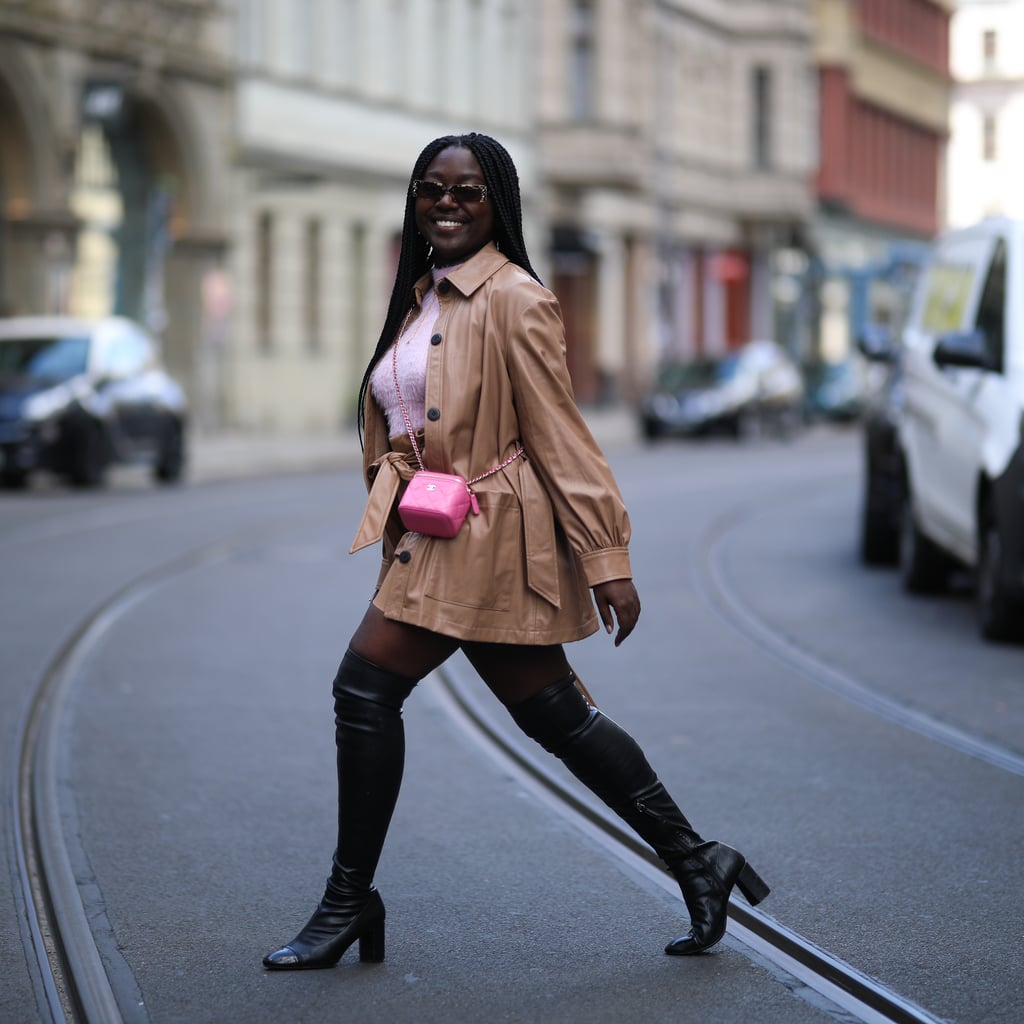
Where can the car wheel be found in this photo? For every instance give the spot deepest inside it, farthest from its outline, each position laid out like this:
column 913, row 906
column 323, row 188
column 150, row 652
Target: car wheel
column 89, row 462
column 924, row 568
column 171, row 461
column 791, row 421
column 1000, row 615
column 650, row 429
column 14, row 477
column 879, row 539
column 747, row 425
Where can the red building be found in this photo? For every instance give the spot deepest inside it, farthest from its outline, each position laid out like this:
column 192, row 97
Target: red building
column 884, row 87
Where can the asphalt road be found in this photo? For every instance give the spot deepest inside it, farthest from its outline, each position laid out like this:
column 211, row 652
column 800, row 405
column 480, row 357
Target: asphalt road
column 195, row 778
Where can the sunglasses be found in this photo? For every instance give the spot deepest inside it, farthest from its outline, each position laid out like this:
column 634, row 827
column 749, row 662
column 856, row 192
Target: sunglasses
column 434, row 190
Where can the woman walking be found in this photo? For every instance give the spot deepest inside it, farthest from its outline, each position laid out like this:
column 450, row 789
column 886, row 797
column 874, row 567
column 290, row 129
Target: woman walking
column 469, row 378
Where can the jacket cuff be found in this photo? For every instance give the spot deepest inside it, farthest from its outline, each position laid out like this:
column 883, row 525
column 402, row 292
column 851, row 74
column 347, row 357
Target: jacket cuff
column 605, row 565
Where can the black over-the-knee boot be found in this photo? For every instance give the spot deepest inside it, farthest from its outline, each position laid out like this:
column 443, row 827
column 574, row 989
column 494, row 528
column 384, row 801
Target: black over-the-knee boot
column 609, row 762
column 371, row 757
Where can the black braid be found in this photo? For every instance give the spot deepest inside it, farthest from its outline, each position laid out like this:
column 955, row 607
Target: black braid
column 502, row 182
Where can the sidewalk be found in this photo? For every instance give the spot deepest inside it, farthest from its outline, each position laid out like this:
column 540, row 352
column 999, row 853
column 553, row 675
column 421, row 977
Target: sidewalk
column 232, row 456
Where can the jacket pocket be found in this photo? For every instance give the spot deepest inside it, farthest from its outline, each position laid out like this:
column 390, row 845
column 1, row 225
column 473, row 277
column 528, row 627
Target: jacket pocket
column 481, row 566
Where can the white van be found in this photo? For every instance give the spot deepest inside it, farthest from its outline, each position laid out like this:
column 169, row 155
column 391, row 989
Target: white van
column 961, row 429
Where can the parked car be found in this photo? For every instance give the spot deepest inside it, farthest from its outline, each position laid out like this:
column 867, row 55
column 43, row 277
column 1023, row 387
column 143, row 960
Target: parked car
column 959, row 434
column 77, row 395
column 742, row 393
column 836, row 391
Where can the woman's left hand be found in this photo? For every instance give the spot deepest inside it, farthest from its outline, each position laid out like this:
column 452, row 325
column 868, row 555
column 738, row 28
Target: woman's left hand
column 617, row 599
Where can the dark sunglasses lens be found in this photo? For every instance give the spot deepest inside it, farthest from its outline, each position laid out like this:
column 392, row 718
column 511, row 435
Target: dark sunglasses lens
column 468, row 193
column 434, row 190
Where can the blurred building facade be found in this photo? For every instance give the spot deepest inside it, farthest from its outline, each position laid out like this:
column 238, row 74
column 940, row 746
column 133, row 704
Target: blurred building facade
column 677, row 145
column 884, row 102
column 114, row 176
column 334, row 101
column 986, row 145
column 695, row 173
column 665, row 152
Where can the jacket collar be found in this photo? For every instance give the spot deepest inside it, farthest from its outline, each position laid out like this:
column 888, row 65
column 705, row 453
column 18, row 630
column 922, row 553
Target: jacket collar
column 471, row 274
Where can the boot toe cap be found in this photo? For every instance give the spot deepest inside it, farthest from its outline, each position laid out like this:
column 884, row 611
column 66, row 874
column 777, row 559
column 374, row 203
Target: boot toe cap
column 687, row 945
column 282, row 959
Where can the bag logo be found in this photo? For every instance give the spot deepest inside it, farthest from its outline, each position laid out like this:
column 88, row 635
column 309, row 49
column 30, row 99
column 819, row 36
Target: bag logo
column 431, row 487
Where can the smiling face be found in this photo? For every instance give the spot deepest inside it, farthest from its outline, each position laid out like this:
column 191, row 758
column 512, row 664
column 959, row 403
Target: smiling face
column 455, row 230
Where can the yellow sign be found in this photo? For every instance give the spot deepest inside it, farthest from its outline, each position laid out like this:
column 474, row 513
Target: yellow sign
column 949, row 286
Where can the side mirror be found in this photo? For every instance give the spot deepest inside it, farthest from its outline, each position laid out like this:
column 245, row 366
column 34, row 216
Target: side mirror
column 877, row 344
column 962, row 348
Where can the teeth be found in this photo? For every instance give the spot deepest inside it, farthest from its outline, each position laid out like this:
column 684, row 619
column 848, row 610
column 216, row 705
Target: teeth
column 449, row 224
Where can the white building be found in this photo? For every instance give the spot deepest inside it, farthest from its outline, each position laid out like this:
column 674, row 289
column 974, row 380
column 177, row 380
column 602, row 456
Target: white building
column 664, row 152
column 986, row 144
column 335, row 99
column 243, row 194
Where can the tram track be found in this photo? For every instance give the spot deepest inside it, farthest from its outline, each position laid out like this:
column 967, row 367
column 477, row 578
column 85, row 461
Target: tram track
column 711, row 581
column 853, row 994
column 77, row 980
column 78, row 977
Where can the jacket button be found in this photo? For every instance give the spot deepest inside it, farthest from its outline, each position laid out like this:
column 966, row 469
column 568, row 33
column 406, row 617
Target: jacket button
column 436, row 339
column 404, row 557
column 443, row 288
column 433, row 414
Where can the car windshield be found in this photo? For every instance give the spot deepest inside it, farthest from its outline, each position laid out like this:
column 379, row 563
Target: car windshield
column 703, row 373
column 53, row 359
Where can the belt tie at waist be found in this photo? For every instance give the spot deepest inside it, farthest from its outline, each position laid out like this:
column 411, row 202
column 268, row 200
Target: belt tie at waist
column 392, row 469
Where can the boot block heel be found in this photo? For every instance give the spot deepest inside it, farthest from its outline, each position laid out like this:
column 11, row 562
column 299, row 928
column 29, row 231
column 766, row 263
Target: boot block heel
column 371, row 944
column 752, row 885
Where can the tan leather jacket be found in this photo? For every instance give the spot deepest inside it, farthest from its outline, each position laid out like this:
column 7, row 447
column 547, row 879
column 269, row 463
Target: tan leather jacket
column 551, row 525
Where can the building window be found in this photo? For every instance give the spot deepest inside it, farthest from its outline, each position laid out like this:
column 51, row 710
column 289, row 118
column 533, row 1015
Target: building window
column 399, row 57
column 303, row 18
column 474, row 18
column 348, row 45
column 988, row 138
column 355, row 285
column 264, row 281
column 511, row 67
column 989, row 48
column 441, row 22
column 252, row 18
column 581, row 60
column 312, row 286
column 762, row 103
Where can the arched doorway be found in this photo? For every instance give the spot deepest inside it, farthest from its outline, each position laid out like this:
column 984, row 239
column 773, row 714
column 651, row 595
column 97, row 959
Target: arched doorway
column 130, row 194
column 135, row 195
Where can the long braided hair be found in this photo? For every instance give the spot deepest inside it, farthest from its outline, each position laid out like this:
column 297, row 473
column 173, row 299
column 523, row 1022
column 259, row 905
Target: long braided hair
column 502, row 182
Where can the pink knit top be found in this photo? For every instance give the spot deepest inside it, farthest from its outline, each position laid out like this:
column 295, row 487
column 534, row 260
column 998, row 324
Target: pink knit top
column 413, row 348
